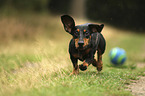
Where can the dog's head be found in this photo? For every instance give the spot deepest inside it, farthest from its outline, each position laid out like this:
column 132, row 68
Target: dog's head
column 81, row 33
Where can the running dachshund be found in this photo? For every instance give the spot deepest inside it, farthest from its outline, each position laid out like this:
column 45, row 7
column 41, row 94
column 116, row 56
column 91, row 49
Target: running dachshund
column 87, row 40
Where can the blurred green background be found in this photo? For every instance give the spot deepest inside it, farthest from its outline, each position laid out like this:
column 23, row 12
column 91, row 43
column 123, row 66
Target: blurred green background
column 126, row 14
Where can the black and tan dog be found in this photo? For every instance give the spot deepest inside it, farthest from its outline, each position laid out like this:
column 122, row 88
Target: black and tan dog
column 87, row 40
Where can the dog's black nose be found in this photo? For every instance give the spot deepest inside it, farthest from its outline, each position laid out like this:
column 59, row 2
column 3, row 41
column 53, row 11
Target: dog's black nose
column 81, row 43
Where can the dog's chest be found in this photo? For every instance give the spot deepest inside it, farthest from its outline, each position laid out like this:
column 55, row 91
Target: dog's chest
column 82, row 55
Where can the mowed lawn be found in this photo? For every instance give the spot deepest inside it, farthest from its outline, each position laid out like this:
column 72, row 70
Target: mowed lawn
column 34, row 60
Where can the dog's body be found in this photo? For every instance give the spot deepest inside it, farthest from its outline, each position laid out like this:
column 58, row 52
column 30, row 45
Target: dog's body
column 86, row 40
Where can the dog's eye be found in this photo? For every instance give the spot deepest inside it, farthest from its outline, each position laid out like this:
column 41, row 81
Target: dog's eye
column 76, row 33
column 86, row 33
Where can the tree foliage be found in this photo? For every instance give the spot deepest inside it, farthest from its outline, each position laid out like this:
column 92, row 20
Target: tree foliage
column 128, row 14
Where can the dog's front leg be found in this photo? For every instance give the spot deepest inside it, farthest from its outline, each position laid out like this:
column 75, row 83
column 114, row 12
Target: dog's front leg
column 75, row 65
column 85, row 64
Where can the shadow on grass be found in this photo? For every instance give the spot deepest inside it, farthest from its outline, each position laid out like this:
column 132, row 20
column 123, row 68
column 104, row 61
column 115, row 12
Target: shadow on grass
column 82, row 73
column 93, row 72
column 124, row 66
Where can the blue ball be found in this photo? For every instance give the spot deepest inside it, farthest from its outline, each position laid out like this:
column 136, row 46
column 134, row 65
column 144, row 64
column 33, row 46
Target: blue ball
column 117, row 56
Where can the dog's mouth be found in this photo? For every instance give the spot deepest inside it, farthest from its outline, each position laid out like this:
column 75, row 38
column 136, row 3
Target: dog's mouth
column 82, row 47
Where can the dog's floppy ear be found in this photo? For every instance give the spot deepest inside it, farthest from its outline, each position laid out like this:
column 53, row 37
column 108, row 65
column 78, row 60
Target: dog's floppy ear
column 68, row 23
column 96, row 28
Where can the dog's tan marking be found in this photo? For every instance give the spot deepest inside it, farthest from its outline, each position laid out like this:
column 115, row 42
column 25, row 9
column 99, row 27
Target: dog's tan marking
column 86, row 41
column 75, row 71
column 78, row 30
column 85, row 63
column 76, row 42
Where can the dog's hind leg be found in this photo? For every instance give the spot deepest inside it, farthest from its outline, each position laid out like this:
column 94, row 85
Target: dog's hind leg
column 98, row 64
column 94, row 63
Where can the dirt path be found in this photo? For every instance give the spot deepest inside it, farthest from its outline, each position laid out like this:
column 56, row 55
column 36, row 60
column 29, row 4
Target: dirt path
column 138, row 87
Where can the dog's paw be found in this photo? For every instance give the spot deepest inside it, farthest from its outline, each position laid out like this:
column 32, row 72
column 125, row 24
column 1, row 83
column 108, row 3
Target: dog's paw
column 75, row 72
column 83, row 68
column 99, row 68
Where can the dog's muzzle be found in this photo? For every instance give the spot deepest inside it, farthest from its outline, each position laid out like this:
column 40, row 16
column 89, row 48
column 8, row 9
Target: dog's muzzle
column 81, row 43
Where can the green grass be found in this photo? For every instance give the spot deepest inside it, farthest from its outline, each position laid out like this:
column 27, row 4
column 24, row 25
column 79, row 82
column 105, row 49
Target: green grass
column 41, row 67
